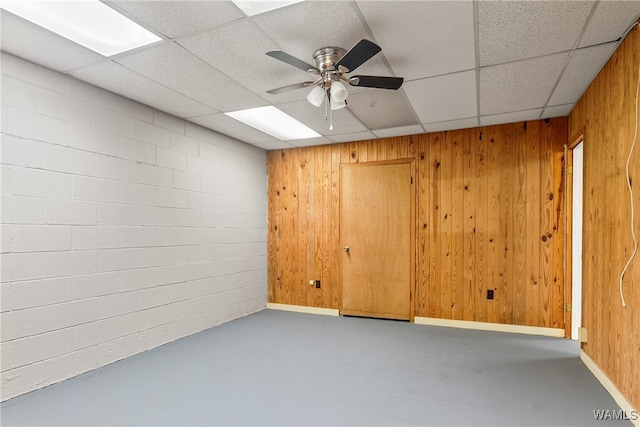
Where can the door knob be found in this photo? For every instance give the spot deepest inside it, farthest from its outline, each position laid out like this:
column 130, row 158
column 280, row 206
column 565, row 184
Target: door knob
column 346, row 249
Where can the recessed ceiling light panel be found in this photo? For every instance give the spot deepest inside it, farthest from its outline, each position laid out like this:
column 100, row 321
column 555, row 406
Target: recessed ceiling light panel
column 89, row 23
column 274, row 122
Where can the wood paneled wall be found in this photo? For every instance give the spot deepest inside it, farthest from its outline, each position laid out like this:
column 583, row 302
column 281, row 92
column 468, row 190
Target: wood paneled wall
column 606, row 117
column 489, row 216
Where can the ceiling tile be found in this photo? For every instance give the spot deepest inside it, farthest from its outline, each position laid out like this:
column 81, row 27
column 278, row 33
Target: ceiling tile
column 610, row 20
column 177, row 18
column 582, row 69
column 309, row 142
column 557, row 111
column 358, row 136
column 180, row 70
column 518, row 86
column 514, row 30
column 518, row 116
column 232, row 127
column 443, row 45
column 343, row 120
column 451, row 125
column 239, row 50
column 36, row 44
column 452, row 96
column 399, row 131
column 118, row 79
column 274, row 145
column 380, row 108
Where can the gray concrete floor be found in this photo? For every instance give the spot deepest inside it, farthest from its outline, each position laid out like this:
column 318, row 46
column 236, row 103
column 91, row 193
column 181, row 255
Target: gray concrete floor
column 281, row 368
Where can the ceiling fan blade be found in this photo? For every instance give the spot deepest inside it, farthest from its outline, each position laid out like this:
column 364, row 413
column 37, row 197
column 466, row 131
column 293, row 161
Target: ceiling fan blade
column 292, row 60
column 358, row 55
column 289, row 88
column 379, row 82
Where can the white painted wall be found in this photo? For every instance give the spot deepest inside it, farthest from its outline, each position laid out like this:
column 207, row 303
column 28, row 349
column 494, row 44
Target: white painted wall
column 123, row 228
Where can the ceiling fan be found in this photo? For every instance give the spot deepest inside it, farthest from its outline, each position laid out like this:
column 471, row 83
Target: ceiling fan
column 331, row 65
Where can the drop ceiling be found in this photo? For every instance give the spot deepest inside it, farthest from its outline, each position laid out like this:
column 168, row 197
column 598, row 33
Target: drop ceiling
column 465, row 63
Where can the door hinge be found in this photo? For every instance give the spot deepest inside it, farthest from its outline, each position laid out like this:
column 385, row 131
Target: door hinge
column 569, row 169
column 567, row 308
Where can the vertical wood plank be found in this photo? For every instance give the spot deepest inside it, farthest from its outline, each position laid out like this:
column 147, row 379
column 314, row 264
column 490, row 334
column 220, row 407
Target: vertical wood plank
column 482, row 215
column 533, row 140
column 457, row 225
column 469, row 226
column 424, row 226
column 435, row 241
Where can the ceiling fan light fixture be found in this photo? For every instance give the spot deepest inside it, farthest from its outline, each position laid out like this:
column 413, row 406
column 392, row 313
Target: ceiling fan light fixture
column 339, row 92
column 316, row 96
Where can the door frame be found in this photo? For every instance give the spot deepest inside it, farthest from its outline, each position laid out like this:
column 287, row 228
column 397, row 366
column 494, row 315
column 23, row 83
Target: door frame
column 413, row 231
column 568, row 260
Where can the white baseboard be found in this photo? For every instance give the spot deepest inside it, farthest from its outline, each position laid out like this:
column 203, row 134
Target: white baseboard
column 303, row 309
column 485, row 326
column 611, row 388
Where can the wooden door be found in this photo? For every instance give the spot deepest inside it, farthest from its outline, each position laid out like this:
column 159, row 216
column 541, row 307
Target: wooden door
column 377, row 238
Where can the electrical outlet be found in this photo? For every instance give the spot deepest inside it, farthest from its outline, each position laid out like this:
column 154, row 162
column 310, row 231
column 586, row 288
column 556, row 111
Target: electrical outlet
column 312, row 282
column 489, row 293
column 317, row 284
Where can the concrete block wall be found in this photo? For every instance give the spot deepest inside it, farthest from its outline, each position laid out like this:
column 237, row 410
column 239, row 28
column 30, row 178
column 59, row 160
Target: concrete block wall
column 123, row 228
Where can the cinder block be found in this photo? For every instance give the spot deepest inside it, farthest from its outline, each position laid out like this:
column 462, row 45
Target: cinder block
column 186, row 180
column 26, row 266
column 59, row 106
column 200, row 166
column 133, row 109
column 187, row 218
column 212, row 185
column 118, row 349
column 59, row 264
column 116, row 214
column 155, row 175
column 184, row 144
column 27, row 124
column 95, row 285
column 69, row 365
column 156, row 336
column 132, row 280
column 89, row 93
column 156, row 297
column 72, row 212
column 36, row 182
column 21, row 210
column 118, row 304
column 111, row 122
column 94, row 237
column 67, row 314
column 139, row 321
column 168, row 121
column 137, row 194
column 43, row 346
column 19, row 94
column 117, row 169
column 39, row 238
column 118, row 259
column 153, row 134
column 137, row 237
column 95, row 189
column 171, row 159
column 22, row 323
column 156, row 215
column 97, row 332
column 172, row 197
column 20, row 152
column 66, row 159
column 32, row 73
